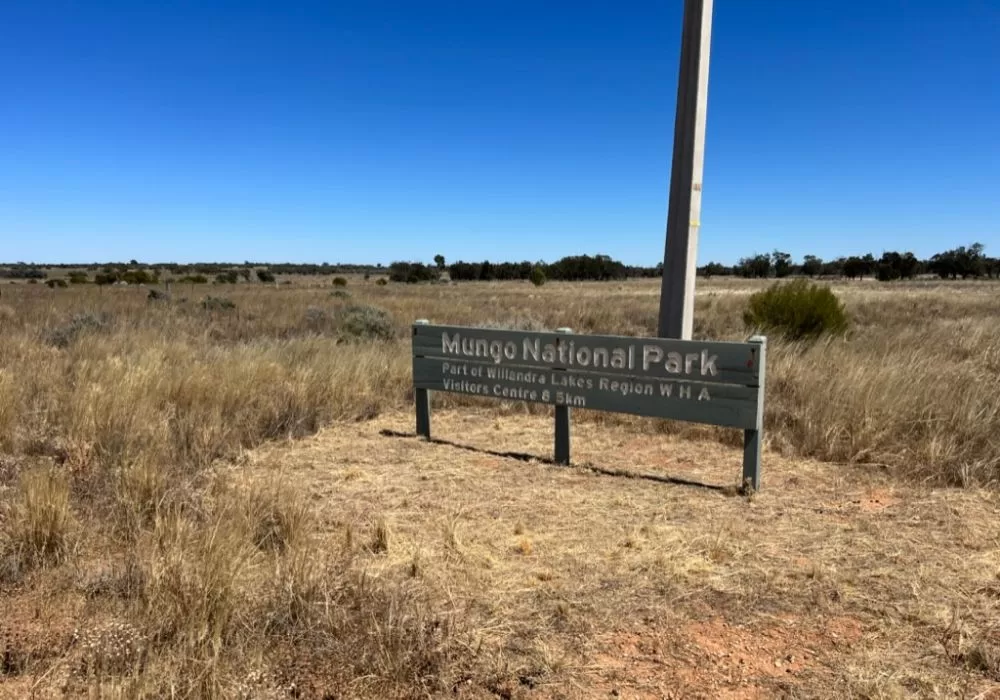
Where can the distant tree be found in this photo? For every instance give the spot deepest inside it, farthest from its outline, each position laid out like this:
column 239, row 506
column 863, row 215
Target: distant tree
column 439, row 261
column 857, row 267
column 585, row 267
column 782, row 263
column 78, row 277
column 105, row 278
column 714, row 269
column 412, row 272
column 757, row 267
column 834, row 268
column 812, row 266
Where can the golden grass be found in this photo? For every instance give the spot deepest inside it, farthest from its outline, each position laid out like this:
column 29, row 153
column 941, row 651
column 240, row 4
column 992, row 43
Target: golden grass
column 133, row 501
column 41, row 525
column 913, row 386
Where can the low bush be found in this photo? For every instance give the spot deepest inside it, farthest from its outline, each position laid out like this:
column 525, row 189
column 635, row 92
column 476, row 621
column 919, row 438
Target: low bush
column 339, row 282
column 63, row 336
column 537, row 276
column 381, row 281
column 796, row 310
column 52, row 284
column 340, row 294
column 360, row 322
column 217, row 304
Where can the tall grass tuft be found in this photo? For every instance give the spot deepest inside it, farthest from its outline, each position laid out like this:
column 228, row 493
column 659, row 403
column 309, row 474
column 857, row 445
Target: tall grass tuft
column 42, row 525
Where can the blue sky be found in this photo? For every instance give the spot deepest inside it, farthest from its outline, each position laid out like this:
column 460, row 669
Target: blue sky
column 375, row 131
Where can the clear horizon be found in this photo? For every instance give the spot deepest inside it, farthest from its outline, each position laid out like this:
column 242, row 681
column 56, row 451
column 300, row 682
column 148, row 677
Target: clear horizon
column 363, row 135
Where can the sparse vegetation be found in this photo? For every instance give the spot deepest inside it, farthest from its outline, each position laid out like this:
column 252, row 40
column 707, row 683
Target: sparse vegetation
column 197, row 560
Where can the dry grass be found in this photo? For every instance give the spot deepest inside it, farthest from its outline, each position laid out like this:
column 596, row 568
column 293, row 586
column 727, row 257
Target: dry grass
column 133, row 503
column 41, row 525
column 913, row 386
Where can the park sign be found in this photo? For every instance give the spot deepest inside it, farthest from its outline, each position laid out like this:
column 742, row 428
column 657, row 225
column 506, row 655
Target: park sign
column 716, row 383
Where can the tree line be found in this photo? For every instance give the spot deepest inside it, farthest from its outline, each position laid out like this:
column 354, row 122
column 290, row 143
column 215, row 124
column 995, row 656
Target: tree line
column 570, row 268
column 964, row 262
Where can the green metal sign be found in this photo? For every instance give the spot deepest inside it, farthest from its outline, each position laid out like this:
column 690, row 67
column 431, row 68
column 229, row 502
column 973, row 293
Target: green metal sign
column 704, row 382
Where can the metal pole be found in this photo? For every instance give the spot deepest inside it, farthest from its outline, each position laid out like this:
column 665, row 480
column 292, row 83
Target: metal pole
column 680, row 257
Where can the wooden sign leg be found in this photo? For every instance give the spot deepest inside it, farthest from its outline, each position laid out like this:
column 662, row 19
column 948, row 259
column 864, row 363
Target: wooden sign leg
column 753, row 439
column 422, row 399
column 751, row 459
column 562, row 425
column 562, row 434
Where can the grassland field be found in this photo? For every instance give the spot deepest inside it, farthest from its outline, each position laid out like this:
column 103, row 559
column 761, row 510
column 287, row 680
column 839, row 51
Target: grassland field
column 213, row 495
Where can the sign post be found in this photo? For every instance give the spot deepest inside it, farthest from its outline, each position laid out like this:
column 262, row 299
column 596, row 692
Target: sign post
column 717, row 383
column 680, row 257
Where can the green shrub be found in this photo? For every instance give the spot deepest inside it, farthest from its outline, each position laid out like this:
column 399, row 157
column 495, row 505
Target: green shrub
column 537, row 276
column 78, row 278
column 796, row 310
column 52, row 284
column 339, row 282
column 381, row 281
column 265, row 276
column 340, row 294
column 358, row 322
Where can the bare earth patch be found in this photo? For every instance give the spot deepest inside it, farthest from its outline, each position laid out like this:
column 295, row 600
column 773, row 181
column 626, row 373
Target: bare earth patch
column 607, row 579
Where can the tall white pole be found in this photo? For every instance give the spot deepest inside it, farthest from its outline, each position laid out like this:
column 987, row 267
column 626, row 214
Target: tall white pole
column 680, row 257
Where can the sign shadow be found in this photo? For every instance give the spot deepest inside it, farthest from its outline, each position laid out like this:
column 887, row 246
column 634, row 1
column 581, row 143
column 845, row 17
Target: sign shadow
column 603, row 471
